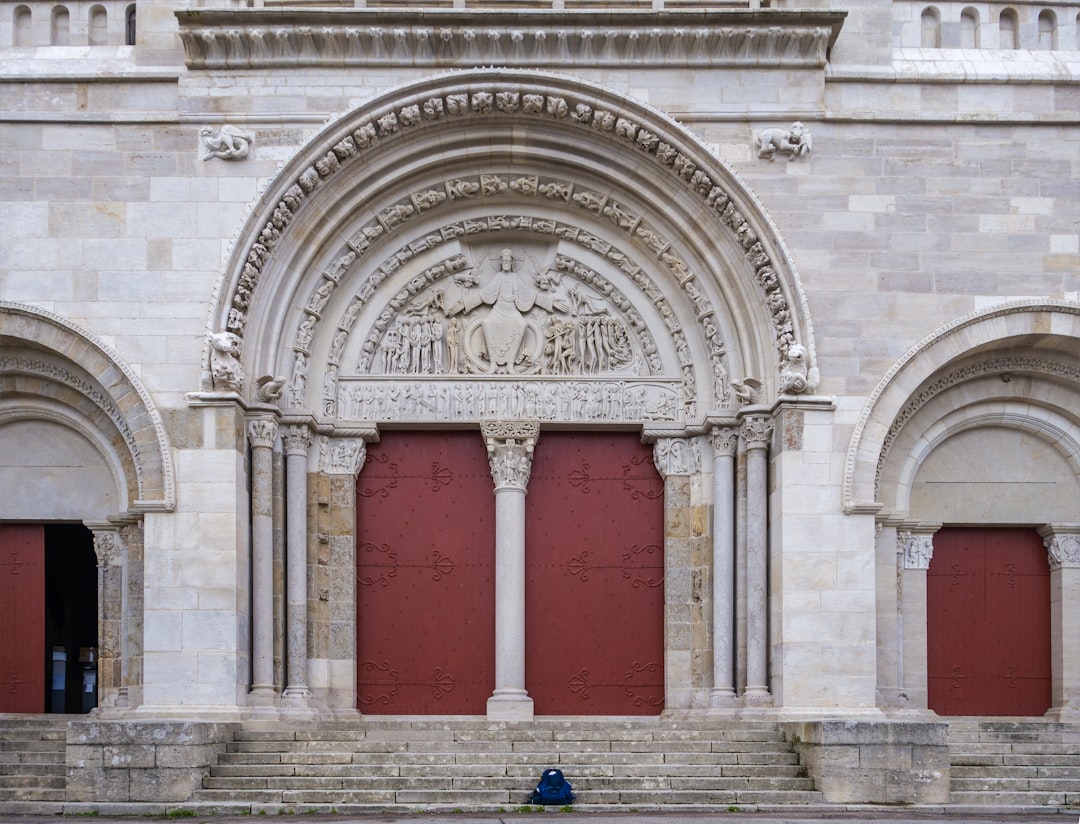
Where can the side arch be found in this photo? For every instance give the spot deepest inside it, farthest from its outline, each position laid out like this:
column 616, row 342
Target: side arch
column 52, row 370
column 602, row 190
column 1030, row 343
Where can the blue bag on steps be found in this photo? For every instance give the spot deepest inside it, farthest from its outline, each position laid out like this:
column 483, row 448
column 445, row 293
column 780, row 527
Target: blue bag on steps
column 552, row 789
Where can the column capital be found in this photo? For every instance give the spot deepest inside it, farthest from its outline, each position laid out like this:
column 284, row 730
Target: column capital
column 262, row 432
column 757, row 431
column 1062, row 542
column 341, row 456
column 915, row 548
column 724, row 439
column 108, row 546
column 510, row 446
column 297, row 439
column 676, row 456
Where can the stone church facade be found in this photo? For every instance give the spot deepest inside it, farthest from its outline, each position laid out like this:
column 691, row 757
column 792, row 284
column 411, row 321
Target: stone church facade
column 713, row 360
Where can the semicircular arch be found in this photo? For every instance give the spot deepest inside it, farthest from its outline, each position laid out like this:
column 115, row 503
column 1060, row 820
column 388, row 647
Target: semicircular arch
column 54, row 370
column 948, row 370
column 595, row 195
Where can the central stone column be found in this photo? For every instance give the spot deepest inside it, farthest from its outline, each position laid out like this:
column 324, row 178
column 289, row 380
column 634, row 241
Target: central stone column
column 1062, row 543
column 915, row 547
column 297, row 695
column 510, row 451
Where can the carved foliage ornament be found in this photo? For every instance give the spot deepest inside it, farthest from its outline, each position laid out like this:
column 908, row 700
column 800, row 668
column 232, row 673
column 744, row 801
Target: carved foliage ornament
column 382, row 128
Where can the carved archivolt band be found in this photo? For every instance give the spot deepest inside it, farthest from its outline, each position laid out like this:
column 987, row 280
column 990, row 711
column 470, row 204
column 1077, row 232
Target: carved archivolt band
column 994, row 366
column 478, row 103
column 129, row 407
column 865, row 455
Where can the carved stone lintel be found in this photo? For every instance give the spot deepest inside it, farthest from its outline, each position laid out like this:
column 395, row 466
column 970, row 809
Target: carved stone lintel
column 916, row 549
column 297, row 440
column 342, row 456
column 510, row 447
column 262, row 432
column 757, row 431
column 676, row 456
column 1063, row 548
column 724, row 439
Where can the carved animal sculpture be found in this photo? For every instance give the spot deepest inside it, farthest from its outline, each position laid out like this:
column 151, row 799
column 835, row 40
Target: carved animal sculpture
column 268, row 388
column 228, row 142
column 225, row 367
column 793, row 141
column 793, row 374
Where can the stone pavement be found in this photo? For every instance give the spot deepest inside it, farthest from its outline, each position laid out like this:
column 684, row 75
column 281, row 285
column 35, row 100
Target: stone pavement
column 832, row 815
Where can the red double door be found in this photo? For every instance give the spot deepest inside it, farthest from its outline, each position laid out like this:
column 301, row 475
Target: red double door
column 988, row 623
column 426, row 576
column 22, row 618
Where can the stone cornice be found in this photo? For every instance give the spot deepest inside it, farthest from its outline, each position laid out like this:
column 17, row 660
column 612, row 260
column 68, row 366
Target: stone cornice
column 263, row 38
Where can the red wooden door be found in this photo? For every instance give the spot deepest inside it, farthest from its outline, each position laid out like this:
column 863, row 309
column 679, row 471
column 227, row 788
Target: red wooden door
column 988, row 623
column 425, row 554
column 594, row 599
column 22, row 618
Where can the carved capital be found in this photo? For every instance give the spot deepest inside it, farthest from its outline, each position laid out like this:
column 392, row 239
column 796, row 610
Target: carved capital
column 724, row 440
column 676, row 456
column 342, row 456
column 757, row 431
column 297, row 440
column 1063, row 548
column 108, row 547
column 261, row 433
column 915, row 548
column 510, row 447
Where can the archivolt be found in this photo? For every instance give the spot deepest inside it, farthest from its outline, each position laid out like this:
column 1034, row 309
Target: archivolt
column 924, row 372
column 459, row 123
column 46, row 346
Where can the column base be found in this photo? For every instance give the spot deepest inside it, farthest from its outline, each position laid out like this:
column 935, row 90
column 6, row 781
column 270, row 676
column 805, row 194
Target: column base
column 723, row 699
column 1068, row 714
column 262, row 696
column 510, row 705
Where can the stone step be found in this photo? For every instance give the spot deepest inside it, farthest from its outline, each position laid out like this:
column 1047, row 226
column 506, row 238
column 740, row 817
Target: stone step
column 12, row 771
column 33, row 745
column 1008, row 799
column 1071, row 772
column 994, row 783
column 479, row 736
column 1018, row 748
column 32, row 794
column 369, row 746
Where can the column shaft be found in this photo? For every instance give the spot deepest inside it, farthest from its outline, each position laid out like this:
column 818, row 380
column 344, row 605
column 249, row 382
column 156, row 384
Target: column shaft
column 757, row 432
column 261, row 434
column 297, row 441
column 724, row 442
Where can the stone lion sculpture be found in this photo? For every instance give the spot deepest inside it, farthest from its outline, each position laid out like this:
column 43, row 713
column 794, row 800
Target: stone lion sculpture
column 225, row 369
column 793, row 141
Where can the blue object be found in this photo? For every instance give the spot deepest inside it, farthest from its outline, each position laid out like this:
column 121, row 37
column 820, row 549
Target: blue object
column 552, row 789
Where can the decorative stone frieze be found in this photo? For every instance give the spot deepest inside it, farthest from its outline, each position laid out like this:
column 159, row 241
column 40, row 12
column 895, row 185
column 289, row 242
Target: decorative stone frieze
column 677, row 456
column 263, row 38
column 510, row 449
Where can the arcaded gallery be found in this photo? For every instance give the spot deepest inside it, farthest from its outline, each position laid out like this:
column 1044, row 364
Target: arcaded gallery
column 399, row 399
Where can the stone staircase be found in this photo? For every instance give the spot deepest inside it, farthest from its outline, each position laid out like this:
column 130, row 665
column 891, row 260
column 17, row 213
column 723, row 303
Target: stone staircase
column 477, row 764
column 1014, row 763
column 32, row 758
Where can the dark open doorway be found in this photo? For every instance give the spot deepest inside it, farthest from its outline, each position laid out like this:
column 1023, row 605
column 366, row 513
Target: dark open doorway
column 71, row 619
